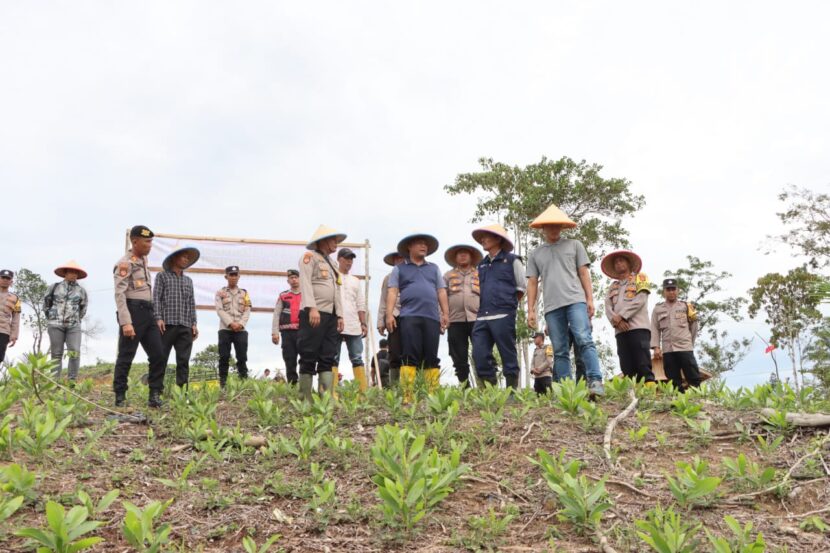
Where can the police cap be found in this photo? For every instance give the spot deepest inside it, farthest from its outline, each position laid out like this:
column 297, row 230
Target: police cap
column 140, row 231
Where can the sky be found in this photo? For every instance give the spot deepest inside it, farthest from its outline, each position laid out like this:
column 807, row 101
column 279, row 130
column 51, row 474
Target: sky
column 266, row 119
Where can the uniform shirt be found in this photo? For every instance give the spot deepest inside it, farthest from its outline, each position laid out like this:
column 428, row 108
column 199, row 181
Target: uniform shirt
column 9, row 314
column 625, row 300
column 671, row 329
column 384, row 289
column 320, row 284
column 285, row 317
column 173, row 300
column 557, row 265
column 463, row 293
column 132, row 281
column 233, row 305
column 542, row 362
column 418, row 287
column 65, row 303
column 353, row 300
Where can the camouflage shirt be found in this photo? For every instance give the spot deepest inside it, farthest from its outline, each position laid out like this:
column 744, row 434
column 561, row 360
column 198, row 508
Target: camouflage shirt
column 65, row 304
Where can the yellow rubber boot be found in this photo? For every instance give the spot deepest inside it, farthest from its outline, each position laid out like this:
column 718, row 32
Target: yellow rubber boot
column 407, row 382
column 433, row 378
column 360, row 376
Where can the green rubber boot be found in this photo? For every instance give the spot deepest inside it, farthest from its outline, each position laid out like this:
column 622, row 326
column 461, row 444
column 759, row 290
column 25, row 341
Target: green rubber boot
column 394, row 377
column 326, row 380
column 305, row 386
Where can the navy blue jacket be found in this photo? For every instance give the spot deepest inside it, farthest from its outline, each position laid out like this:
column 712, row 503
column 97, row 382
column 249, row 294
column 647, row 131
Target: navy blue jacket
column 498, row 285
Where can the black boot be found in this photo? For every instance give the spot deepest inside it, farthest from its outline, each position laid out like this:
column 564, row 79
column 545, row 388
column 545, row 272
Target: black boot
column 512, row 381
column 120, row 399
column 491, row 380
column 155, row 399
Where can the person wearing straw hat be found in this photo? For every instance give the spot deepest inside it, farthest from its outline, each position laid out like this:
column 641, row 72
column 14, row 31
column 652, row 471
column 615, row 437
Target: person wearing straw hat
column 321, row 314
column 674, row 328
column 286, row 324
column 353, row 300
column 541, row 364
column 626, row 306
column 65, row 305
column 174, row 308
column 424, row 311
column 134, row 303
column 563, row 266
column 233, row 305
column 503, row 285
column 393, row 336
column 9, row 313
column 463, row 297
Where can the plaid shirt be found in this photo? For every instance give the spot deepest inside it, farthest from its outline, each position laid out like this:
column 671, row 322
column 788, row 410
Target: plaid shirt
column 173, row 300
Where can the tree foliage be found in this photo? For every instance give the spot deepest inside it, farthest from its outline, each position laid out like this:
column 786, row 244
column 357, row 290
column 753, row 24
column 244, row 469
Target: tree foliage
column 807, row 219
column 31, row 288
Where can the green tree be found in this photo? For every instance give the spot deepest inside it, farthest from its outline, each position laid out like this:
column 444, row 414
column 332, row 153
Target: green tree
column 31, row 288
column 807, row 219
column 209, row 358
column 817, row 353
column 791, row 306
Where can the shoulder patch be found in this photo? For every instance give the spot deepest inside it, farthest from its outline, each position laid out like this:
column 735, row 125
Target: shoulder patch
column 134, row 259
column 307, row 257
column 549, row 351
column 123, row 268
column 642, row 283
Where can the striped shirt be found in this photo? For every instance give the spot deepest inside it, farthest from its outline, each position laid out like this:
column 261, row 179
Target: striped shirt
column 173, row 299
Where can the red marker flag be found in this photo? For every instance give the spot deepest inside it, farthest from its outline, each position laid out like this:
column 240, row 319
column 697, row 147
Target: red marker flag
column 769, row 348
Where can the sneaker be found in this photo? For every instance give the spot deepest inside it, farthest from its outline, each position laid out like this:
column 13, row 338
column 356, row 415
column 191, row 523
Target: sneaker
column 155, row 400
column 596, row 389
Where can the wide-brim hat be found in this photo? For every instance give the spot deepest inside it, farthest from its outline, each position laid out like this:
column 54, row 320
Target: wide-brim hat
column 432, row 243
column 553, row 216
column 475, row 253
column 70, row 266
column 194, row 257
column 497, row 230
column 607, row 264
column 389, row 258
column 323, row 232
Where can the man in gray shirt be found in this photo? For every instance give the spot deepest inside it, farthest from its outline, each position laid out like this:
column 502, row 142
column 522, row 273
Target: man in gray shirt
column 563, row 265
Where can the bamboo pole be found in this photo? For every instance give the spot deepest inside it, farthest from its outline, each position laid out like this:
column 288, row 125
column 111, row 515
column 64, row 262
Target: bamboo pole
column 248, row 240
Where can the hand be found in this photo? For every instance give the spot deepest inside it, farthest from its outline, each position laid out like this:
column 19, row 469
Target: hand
column 363, row 329
column 615, row 319
column 195, row 332
column 658, row 353
column 275, row 339
column 128, row 330
column 591, row 309
column 445, row 322
column 314, row 317
column 624, row 326
column 341, row 324
column 531, row 319
column 391, row 325
column 162, row 326
column 12, row 343
column 382, row 329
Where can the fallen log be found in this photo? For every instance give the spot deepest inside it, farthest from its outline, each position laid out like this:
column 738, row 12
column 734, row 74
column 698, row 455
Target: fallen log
column 801, row 419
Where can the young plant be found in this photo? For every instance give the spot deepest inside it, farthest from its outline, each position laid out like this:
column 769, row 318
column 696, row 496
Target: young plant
column 250, row 546
column 41, row 431
column 63, row 531
column 181, row 483
column 637, row 435
column 555, row 468
column 583, row 502
column 747, row 474
column 810, row 524
column 741, row 540
column 323, row 498
column 691, row 486
column 268, row 412
column 768, row 447
column 139, row 526
column 701, row 430
column 103, row 504
column 486, row 531
column 666, row 532
column 778, row 421
column 571, row 395
column 9, row 506
column 684, row 407
column 16, row 480
column 593, row 418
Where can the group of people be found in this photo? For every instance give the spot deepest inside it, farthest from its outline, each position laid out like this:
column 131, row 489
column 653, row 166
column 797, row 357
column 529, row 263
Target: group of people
column 475, row 303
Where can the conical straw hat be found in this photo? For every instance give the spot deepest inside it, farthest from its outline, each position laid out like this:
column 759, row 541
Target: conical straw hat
column 194, row 254
column 607, row 264
column 70, row 266
column 552, row 216
column 389, row 258
column 475, row 254
column 324, row 232
column 403, row 245
column 499, row 231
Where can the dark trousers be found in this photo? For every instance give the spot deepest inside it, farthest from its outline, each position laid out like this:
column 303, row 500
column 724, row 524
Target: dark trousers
column 393, row 342
column 459, row 336
column 148, row 335
column 502, row 334
column 180, row 338
column 290, row 340
column 676, row 361
column 542, row 384
column 318, row 346
column 419, row 342
column 239, row 340
column 4, row 342
column 634, row 351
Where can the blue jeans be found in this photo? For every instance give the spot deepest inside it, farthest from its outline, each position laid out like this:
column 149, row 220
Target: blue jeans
column 575, row 317
column 354, row 345
column 502, row 334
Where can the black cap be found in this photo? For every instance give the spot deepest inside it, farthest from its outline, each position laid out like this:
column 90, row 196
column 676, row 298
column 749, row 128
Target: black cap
column 670, row 283
column 5, row 273
column 232, row 270
column 537, row 334
column 346, row 252
column 293, row 272
column 140, row 231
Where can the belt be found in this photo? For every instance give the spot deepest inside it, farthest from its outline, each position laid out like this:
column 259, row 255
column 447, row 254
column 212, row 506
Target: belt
column 140, row 303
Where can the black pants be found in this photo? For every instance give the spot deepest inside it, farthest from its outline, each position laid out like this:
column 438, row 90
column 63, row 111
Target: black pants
column 148, row 335
column 180, row 338
column 459, row 336
column 634, row 351
column 239, row 340
column 4, row 342
column 318, row 346
column 290, row 340
column 419, row 342
column 676, row 361
column 393, row 342
column 542, row 384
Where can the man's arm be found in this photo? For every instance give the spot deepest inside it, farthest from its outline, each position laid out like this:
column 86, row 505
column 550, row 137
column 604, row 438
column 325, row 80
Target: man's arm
column 121, row 279
column 532, row 296
column 384, row 288
column 655, row 334
column 158, row 295
column 520, row 278
column 444, row 303
column 84, row 303
column 391, row 298
column 246, row 309
column 306, row 269
column 224, row 316
column 587, row 286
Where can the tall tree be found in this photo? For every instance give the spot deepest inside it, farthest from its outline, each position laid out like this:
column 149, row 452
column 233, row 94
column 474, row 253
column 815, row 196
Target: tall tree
column 791, row 306
column 807, row 219
column 817, row 353
column 31, row 288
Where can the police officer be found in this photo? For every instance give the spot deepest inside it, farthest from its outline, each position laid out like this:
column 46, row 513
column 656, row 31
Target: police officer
column 674, row 328
column 9, row 313
column 286, row 324
column 134, row 303
column 542, row 365
column 626, row 306
column 233, row 305
column 394, row 335
column 321, row 319
column 463, row 295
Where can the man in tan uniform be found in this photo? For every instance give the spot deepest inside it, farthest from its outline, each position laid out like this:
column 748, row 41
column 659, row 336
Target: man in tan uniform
column 674, row 328
column 233, row 305
column 9, row 313
column 463, row 293
column 541, row 367
column 626, row 306
column 134, row 303
column 394, row 336
column 321, row 315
